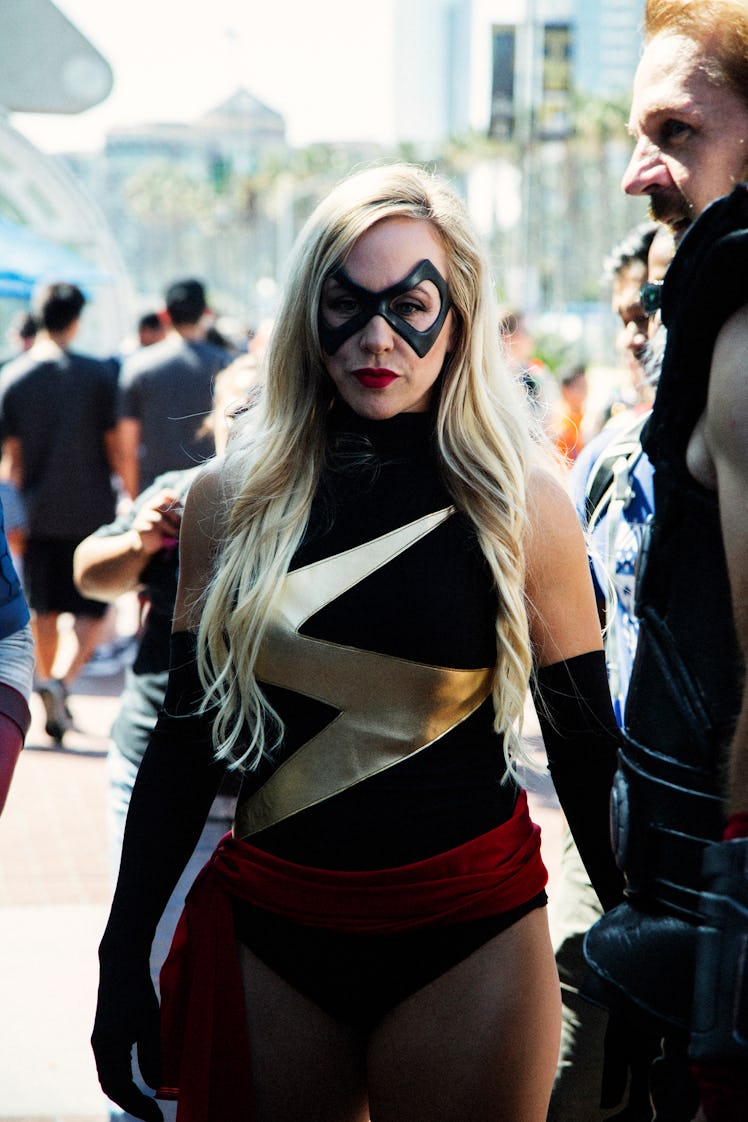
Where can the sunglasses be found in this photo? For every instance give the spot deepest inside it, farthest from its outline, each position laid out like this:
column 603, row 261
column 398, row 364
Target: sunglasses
column 650, row 297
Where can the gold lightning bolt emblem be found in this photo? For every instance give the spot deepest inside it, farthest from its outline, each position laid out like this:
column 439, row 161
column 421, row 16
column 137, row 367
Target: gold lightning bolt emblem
column 389, row 707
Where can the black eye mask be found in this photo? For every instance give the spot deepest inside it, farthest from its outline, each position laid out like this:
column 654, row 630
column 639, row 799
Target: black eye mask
column 378, row 304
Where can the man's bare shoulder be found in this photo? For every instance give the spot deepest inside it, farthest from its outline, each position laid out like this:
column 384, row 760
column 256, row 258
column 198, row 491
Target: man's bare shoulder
column 726, row 424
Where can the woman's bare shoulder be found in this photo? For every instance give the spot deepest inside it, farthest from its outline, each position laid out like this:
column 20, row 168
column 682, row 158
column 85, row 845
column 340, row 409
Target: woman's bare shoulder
column 204, row 528
column 561, row 605
column 554, row 545
column 208, row 499
column 549, row 503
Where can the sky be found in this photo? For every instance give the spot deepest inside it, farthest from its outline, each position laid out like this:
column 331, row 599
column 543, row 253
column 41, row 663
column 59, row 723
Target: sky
column 325, row 65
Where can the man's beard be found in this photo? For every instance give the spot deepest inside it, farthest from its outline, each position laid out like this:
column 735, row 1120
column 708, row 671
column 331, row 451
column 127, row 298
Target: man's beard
column 652, row 355
column 672, row 208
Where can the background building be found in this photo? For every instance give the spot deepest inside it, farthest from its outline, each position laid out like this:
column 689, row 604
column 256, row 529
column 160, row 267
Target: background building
column 490, row 65
column 178, row 198
column 536, row 94
column 608, row 45
column 522, row 103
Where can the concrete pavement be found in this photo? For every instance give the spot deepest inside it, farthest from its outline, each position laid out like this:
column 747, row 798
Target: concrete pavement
column 54, row 894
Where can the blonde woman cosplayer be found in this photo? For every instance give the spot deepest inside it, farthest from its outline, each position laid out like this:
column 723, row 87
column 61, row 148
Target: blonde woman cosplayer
column 369, row 580
column 483, row 431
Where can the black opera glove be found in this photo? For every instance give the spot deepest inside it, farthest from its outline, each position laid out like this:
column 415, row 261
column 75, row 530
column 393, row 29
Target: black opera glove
column 177, row 782
column 127, row 1013
column 581, row 737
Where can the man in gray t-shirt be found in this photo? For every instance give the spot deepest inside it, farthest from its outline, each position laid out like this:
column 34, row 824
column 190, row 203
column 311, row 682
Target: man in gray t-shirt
column 166, row 392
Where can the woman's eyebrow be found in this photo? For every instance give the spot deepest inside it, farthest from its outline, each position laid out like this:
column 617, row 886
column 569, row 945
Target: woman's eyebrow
column 333, row 282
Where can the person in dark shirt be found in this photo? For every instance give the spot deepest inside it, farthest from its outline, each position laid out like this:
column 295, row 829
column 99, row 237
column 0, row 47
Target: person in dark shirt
column 57, row 419
column 166, row 393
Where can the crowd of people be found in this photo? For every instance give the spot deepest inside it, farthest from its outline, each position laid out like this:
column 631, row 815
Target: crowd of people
column 82, row 437
column 354, row 562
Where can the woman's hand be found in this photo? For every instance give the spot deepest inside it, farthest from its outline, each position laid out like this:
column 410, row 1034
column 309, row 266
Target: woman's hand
column 127, row 1013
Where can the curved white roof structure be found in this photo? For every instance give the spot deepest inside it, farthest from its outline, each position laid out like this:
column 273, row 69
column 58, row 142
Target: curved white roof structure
column 38, row 192
column 48, row 66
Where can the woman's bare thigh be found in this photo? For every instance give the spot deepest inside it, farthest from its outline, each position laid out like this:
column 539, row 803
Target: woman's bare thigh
column 480, row 1042
column 305, row 1064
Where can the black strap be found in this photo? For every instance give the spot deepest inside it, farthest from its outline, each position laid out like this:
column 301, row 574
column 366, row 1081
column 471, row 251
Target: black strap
column 626, row 445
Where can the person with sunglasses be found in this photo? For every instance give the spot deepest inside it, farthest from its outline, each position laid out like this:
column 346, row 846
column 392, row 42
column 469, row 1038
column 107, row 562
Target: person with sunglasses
column 602, row 1066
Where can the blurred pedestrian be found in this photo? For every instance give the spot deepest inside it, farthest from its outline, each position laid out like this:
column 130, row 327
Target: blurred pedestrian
column 16, row 667
column 151, row 329
column 567, row 417
column 21, row 335
column 57, row 419
column 23, row 331
column 625, row 270
column 139, row 552
column 604, row 1066
column 519, row 348
column 166, row 393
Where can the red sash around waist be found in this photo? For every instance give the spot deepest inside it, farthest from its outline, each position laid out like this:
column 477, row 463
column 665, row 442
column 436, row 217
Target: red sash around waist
column 203, row 1021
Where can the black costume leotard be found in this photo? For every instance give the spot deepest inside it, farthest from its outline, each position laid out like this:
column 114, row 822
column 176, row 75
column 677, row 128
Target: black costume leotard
column 432, row 605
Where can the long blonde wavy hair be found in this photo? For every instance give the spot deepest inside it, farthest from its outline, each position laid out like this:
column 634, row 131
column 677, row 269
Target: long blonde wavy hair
column 275, row 456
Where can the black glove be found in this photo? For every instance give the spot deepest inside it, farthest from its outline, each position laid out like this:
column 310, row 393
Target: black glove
column 127, row 1013
column 581, row 738
column 175, row 787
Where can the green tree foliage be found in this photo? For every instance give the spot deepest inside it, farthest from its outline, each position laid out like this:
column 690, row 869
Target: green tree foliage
column 236, row 228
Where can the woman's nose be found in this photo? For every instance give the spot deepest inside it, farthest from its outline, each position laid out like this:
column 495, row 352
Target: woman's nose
column 377, row 335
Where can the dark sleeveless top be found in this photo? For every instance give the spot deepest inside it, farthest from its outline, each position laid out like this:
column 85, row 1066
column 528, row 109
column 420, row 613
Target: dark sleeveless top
column 686, row 685
column 433, row 604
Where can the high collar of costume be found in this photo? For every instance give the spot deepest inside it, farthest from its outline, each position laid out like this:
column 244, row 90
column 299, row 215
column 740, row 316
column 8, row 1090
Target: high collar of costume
column 706, row 283
column 407, row 435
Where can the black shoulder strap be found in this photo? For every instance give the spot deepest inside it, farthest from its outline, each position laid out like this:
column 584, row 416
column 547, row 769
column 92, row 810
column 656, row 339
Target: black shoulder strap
column 625, row 444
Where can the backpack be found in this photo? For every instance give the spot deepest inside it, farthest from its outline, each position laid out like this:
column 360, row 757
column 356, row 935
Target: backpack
column 611, row 470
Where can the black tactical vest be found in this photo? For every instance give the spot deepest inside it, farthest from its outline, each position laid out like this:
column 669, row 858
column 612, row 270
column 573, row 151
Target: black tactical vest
column 686, row 683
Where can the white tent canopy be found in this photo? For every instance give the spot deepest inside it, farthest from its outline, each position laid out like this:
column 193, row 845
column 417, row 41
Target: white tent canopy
column 28, row 260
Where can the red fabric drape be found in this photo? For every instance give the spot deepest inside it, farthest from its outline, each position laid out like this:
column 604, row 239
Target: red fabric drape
column 204, row 1033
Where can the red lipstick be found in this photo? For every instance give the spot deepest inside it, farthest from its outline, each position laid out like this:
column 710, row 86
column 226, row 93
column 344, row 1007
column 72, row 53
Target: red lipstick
column 374, row 378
